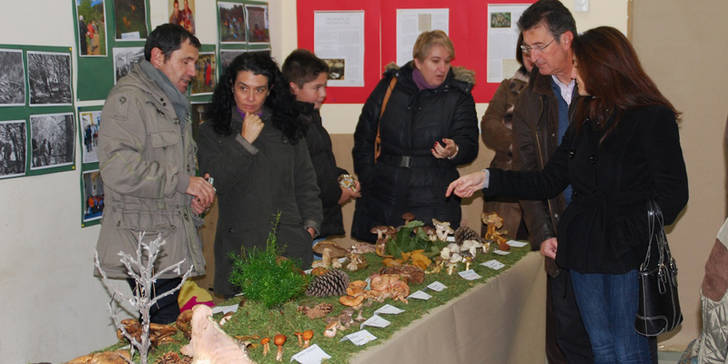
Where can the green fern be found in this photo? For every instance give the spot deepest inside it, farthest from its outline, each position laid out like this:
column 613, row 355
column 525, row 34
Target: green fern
column 262, row 276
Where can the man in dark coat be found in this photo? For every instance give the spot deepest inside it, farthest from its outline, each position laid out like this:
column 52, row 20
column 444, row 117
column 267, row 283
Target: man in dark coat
column 540, row 120
column 307, row 76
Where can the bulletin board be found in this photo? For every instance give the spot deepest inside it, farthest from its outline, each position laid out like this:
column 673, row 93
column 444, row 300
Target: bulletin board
column 468, row 29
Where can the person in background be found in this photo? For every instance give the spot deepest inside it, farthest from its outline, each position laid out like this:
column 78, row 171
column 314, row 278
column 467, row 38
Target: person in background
column 496, row 131
column 307, row 75
column 429, row 127
column 254, row 145
column 621, row 151
column 147, row 161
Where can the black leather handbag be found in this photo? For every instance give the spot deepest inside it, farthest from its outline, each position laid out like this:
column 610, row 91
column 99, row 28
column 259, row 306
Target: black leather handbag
column 659, row 307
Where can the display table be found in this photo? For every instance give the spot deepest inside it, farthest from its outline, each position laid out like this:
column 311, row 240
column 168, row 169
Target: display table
column 500, row 321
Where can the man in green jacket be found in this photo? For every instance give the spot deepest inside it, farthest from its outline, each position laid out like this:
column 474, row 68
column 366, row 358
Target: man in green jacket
column 147, row 159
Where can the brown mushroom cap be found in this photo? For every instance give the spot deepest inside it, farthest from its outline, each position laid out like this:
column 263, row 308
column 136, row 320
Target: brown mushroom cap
column 308, row 334
column 351, row 301
column 279, row 339
column 335, row 250
column 407, row 217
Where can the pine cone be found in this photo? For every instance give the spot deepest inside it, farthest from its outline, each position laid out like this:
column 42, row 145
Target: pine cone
column 333, row 283
column 465, row 233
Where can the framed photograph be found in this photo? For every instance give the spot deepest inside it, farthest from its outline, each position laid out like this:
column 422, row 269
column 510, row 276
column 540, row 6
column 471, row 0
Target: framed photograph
column 12, row 148
column 500, row 20
column 199, row 114
column 231, row 22
column 93, row 196
column 90, row 123
column 12, row 78
column 257, row 21
column 49, row 77
column 227, row 56
column 124, row 59
column 182, row 12
column 52, row 138
column 91, row 28
column 204, row 81
column 131, row 19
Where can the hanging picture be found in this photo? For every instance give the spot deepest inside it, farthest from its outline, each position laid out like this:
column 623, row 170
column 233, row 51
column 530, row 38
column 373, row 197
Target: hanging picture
column 12, row 148
column 131, row 19
column 91, row 28
column 12, row 78
column 182, row 12
column 49, row 77
column 227, row 56
column 52, row 140
column 90, row 123
column 93, row 196
column 204, row 81
column 231, row 22
column 199, row 114
column 124, row 59
column 257, row 21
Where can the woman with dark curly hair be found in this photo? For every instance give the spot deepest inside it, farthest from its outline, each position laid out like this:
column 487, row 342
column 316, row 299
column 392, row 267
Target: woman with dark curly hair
column 252, row 147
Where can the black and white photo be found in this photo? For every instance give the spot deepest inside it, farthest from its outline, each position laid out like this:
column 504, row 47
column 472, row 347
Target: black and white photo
column 49, row 77
column 90, row 123
column 125, row 59
column 93, row 196
column 52, row 140
column 12, row 78
column 12, row 148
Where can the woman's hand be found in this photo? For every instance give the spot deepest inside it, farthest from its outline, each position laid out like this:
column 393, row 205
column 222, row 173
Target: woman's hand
column 448, row 151
column 466, row 185
column 252, row 125
column 347, row 194
column 549, row 247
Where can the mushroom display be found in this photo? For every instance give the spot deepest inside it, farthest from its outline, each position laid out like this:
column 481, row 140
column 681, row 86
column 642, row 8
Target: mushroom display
column 279, row 340
column 266, row 345
column 442, row 229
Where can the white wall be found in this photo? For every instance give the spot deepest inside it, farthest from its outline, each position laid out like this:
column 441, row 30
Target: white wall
column 53, row 308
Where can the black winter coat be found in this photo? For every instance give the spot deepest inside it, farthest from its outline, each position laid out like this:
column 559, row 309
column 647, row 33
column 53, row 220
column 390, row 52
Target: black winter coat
column 254, row 182
column 327, row 174
column 407, row 178
column 604, row 228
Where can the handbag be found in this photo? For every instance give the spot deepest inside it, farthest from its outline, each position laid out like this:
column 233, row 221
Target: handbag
column 659, row 305
column 378, row 138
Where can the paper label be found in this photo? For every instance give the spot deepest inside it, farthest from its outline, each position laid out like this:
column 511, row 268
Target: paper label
column 493, row 264
column 516, row 244
column 311, row 355
column 436, row 286
column 359, row 338
column 420, row 295
column 388, row 309
column 469, row 275
column 501, row 252
column 375, row 321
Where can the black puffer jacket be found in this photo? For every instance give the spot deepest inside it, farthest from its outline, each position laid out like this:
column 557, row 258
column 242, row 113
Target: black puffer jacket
column 327, row 174
column 407, row 178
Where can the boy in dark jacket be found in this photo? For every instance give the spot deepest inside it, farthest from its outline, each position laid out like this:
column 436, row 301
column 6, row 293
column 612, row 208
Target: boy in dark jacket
column 307, row 75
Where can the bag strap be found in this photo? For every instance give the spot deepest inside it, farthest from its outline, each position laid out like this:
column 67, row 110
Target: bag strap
column 378, row 138
column 656, row 231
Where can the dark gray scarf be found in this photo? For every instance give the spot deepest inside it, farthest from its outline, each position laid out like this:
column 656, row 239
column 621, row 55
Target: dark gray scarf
column 179, row 101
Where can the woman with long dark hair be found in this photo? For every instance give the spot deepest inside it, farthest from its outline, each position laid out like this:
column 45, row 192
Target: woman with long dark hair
column 622, row 150
column 252, row 148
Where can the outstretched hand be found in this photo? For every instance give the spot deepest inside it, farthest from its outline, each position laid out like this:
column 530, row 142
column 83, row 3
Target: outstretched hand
column 466, row 185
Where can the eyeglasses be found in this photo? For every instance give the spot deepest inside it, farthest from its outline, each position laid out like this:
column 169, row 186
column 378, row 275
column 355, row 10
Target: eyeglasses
column 527, row 49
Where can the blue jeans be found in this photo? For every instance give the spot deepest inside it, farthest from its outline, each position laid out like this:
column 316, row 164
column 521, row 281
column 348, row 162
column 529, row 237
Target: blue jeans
column 608, row 304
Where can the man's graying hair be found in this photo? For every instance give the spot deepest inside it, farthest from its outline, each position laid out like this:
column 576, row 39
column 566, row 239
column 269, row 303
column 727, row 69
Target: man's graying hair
column 557, row 17
column 168, row 38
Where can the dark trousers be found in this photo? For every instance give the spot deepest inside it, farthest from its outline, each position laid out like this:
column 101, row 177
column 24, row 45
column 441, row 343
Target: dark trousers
column 566, row 338
column 166, row 310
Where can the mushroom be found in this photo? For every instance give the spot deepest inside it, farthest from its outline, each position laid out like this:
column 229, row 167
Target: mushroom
column 266, row 348
column 307, row 335
column 445, row 253
column 407, row 217
column 351, row 301
column 330, row 330
column 455, row 258
column 299, row 335
column 442, row 229
column 279, row 340
column 467, row 260
column 379, row 230
column 225, row 318
column 471, row 246
column 430, row 231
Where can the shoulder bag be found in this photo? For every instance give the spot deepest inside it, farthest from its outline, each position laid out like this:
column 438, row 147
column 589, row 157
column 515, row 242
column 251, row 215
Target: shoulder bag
column 378, row 138
column 659, row 307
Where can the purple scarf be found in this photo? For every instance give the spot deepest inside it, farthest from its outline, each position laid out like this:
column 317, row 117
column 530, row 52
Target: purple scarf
column 420, row 80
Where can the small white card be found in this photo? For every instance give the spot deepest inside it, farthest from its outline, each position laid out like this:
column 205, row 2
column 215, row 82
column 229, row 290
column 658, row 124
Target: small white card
column 359, row 338
column 436, row 286
column 375, row 321
column 388, row 309
column 516, row 244
column 450, row 238
column 493, row 264
column 469, row 275
column 420, row 295
column 225, row 309
column 311, row 355
column 501, row 252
